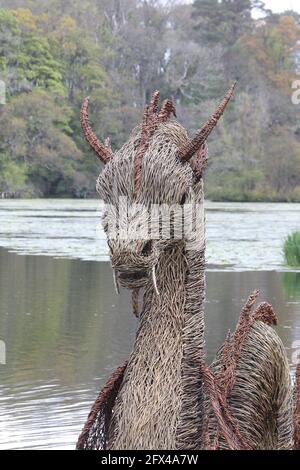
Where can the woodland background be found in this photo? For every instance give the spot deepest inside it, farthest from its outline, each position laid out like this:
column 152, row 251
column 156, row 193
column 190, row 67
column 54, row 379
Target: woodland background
column 53, row 53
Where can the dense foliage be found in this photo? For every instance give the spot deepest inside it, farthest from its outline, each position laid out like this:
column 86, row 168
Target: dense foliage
column 53, row 53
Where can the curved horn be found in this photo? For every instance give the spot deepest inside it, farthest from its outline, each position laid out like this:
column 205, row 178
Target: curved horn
column 186, row 151
column 104, row 153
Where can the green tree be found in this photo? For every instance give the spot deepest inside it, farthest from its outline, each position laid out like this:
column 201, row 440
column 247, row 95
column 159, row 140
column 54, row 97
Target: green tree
column 223, row 21
column 13, row 177
column 25, row 56
column 41, row 141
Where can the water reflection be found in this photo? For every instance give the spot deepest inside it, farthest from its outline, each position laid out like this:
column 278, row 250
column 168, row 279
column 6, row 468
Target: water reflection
column 65, row 330
column 291, row 284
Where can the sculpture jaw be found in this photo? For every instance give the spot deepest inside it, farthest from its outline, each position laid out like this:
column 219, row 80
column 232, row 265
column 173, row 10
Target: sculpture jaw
column 132, row 280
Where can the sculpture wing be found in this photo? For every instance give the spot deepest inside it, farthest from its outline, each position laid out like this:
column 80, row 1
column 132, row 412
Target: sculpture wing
column 249, row 402
column 95, row 431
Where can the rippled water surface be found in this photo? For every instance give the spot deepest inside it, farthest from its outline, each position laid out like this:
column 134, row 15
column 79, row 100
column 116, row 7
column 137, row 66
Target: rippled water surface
column 65, row 329
column 240, row 236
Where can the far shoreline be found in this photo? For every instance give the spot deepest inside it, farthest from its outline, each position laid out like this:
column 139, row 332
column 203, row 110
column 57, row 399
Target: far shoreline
column 207, row 199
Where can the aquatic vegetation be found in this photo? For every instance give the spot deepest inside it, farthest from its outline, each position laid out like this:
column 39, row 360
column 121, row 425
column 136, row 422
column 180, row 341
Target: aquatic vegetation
column 292, row 249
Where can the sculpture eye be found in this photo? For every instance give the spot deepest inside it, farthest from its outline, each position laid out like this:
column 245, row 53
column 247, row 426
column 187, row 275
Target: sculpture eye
column 147, row 249
column 183, row 199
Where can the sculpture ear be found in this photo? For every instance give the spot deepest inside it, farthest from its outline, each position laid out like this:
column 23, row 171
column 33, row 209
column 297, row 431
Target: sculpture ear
column 103, row 152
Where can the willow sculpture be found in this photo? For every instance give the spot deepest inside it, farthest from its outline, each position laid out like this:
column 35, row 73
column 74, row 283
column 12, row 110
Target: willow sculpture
column 165, row 396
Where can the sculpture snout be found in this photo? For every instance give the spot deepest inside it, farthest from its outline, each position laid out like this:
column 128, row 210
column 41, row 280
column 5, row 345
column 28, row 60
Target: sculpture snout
column 133, row 264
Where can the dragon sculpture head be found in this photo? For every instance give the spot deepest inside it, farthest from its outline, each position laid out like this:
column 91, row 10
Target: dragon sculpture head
column 148, row 185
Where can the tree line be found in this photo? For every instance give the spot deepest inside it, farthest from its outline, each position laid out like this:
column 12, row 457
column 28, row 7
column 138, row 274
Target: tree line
column 53, row 53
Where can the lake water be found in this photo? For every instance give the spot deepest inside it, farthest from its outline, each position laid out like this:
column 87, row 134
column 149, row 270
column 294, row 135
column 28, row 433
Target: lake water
column 65, row 329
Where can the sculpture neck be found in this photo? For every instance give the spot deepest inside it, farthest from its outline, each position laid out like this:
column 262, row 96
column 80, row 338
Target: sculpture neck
column 189, row 430
column 159, row 404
